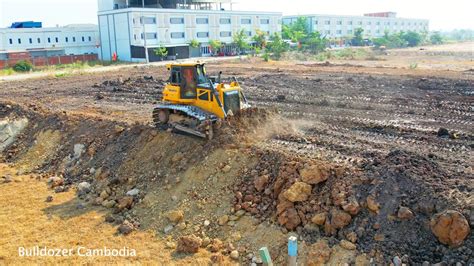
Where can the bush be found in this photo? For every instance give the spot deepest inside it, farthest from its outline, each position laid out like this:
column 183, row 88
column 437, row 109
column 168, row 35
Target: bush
column 23, row 66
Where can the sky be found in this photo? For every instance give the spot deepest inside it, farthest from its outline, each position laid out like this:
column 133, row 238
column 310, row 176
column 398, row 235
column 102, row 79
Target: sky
column 443, row 15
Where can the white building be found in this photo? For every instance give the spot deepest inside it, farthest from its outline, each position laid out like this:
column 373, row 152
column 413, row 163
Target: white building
column 374, row 24
column 67, row 40
column 127, row 26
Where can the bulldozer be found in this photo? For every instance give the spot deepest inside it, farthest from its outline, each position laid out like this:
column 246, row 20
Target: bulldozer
column 196, row 103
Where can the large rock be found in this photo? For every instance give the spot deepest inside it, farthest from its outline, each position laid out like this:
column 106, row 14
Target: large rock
column 260, row 182
column 315, row 173
column 289, row 218
column 83, row 188
column 125, row 203
column 175, row 216
column 450, row 227
column 339, row 219
column 189, row 244
column 319, row 253
column 299, row 191
column 372, row 204
column 319, row 218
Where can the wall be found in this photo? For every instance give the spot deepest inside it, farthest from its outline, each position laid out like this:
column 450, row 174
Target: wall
column 52, row 60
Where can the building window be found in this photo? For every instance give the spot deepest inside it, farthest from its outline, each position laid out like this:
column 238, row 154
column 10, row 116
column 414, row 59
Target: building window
column 49, row 40
column 377, row 23
column 19, row 40
column 328, row 32
column 349, row 23
column 83, row 39
column 90, row 38
column 327, row 22
column 74, row 39
column 339, row 32
column 225, row 34
column 265, row 21
column 11, row 41
column 57, row 39
column 177, row 35
column 339, row 22
column 39, row 40
column 31, row 40
column 248, row 33
column 224, row 21
column 369, row 22
column 359, row 23
column 67, row 39
column 177, row 20
column 148, row 20
column 246, row 21
column 151, row 36
column 202, row 34
column 315, row 22
column 202, row 21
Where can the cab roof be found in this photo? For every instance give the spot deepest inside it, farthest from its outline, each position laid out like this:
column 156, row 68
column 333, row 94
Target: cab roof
column 188, row 64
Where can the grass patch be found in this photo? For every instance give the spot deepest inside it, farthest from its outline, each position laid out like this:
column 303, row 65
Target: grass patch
column 7, row 72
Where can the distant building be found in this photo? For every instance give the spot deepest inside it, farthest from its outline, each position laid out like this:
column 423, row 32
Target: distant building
column 128, row 26
column 374, row 24
column 48, row 46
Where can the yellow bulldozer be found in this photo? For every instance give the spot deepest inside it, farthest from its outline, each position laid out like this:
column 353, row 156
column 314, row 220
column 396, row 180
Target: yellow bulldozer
column 196, row 103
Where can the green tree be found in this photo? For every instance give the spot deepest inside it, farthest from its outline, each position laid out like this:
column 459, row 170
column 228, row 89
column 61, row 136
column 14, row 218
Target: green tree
column 260, row 39
column 297, row 31
column 215, row 46
column 358, row 39
column 23, row 66
column 412, row 38
column 436, row 38
column 240, row 40
column 276, row 46
column 314, row 43
column 161, row 52
column 194, row 43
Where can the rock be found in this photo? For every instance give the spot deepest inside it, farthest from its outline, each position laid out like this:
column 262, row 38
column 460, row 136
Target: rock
column 175, row 216
column 223, row 220
column 299, row 191
column 216, row 245
column 181, row 226
column 134, row 192
column 240, row 213
column 207, row 223
column 55, row 181
column 6, row 179
column 126, row 228
column 352, row 206
column 189, row 244
column 177, row 157
column 168, row 228
column 405, row 213
column 205, row 242
column 125, row 203
column 234, row 254
column 319, row 252
column 319, row 218
column 289, row 218
column 110, row 218
column 339, row 219
column 104, row 195
column 170, row 245
column 98, row 201
column 372, row 204
column 108, row 203
column 78, row 150
column 352, row 236
column 315, row 174
column 261, row 182
column 226, row 169
column 450, row 227
column 443, row 132
column 49, row 199
column 83, row 188
column 347, row 245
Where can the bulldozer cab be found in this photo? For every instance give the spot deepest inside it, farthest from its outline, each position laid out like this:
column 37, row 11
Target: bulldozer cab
column 189, row 78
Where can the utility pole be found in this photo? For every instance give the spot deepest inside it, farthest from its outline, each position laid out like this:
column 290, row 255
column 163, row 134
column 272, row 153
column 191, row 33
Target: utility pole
column 147, row 59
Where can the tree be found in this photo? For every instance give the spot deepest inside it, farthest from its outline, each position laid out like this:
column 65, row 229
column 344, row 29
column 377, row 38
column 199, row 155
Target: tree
column 314, row 43
column 436, row 38
column 276, row 46
column 260, row 39
column 215, row 46
column 412, row 38
column 161, row 52
column 240, row 40
column 297, row 31
column 358, row 39
column 194, row 43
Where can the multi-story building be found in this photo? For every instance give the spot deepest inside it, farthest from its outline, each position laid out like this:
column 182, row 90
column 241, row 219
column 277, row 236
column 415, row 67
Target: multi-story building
column 373, row 24
column 67, row 40
column 133, row 29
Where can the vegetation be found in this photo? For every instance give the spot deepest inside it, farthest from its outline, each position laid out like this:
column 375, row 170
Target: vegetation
column 436, row 38
column 276, row 47
column 215, row 46
column 161, row 51
column 260, row 39
column 240, row 41
column 399, row 40
column 194, row 43
column 307, row 40
column 23, row 66
column 358, row 39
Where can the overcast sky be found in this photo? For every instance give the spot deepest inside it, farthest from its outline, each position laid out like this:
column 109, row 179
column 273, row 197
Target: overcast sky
column 443, row 15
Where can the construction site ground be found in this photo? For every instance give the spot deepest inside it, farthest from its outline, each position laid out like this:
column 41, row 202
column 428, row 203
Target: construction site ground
column 387, row 140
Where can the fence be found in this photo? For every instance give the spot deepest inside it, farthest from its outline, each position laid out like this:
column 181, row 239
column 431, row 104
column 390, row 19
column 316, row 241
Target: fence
column 51, row 60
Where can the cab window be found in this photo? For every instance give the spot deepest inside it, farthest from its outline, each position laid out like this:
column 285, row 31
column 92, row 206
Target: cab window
column 175, row 76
